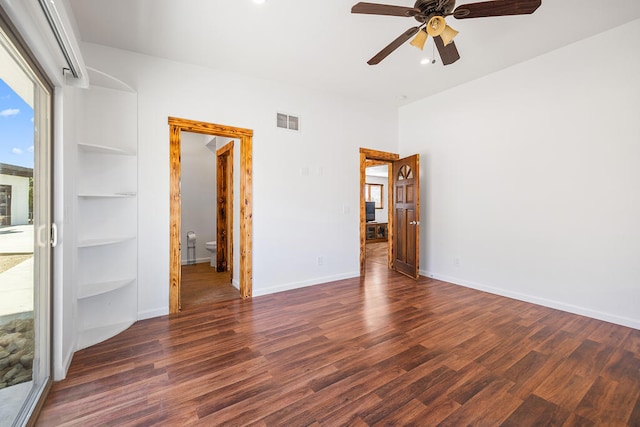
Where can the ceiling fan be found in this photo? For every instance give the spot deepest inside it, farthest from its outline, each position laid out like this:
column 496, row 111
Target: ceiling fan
column 431, row 16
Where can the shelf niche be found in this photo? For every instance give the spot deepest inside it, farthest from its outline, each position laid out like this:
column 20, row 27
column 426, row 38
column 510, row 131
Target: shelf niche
column 106, row 209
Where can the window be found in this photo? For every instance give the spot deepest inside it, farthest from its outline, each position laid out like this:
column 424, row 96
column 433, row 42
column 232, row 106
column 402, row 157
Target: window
column 373, row 193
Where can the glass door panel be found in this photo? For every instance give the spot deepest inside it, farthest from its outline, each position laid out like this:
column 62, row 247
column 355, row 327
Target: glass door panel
column 25, row 224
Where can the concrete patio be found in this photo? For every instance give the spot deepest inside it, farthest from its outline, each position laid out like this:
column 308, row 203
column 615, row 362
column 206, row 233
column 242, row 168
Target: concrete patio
column 16, row 284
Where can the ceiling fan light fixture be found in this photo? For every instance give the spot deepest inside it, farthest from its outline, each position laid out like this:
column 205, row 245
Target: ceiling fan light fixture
column 419, row 40
column 448, row 35
column 436, row 26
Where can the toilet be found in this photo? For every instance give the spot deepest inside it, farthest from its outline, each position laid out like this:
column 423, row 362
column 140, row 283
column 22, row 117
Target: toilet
column 212, row 247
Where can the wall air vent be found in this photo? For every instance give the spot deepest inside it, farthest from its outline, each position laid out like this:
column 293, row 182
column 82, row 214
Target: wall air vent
column 285, row 121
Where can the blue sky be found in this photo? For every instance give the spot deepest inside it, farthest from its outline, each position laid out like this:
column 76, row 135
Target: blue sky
column 16, row 128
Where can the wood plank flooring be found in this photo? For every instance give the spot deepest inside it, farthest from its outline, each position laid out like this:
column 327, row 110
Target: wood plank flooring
column 382, row 351
column 201, row 284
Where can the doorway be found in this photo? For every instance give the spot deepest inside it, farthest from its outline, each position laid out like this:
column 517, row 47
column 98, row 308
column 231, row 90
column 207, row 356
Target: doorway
column 377, row 214
column 207, row 219
column 5, row 205
column 369, row 158
column 245, row 136
column 403, row 200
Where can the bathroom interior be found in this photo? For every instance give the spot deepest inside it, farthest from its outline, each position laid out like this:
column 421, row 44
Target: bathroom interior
column 201, row 282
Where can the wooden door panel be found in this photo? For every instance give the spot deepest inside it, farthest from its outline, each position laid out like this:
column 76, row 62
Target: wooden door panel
column 406, row 175
column 409, row 198
column 400, row 247
column 411, row 243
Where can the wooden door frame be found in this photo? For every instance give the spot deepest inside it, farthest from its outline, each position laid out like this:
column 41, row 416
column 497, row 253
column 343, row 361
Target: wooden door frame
column 177, row 125
column 367, row 158
column 224, row 218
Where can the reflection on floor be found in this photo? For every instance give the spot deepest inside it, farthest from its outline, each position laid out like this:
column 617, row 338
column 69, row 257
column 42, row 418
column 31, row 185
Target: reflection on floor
column 201, row 284
column 377, row 252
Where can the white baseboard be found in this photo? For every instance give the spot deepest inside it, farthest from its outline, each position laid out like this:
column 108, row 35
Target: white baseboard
column 569, row 308
column 296, row 285
column 156, row 312
column 60, row 370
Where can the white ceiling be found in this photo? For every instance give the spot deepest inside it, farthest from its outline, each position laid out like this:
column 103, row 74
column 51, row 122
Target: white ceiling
column 320, row 44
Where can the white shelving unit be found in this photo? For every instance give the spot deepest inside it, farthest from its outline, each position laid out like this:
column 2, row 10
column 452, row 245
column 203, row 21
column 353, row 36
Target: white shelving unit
column 107, row 210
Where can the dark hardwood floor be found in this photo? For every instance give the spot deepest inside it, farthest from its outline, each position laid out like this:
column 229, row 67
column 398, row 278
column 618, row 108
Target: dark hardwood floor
column 380, row 351
column 201, row 284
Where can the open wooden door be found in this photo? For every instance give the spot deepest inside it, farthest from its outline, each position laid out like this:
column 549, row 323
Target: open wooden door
column 406, row 203
column 224, row 216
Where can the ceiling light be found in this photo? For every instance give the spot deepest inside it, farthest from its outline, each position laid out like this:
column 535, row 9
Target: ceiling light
column 419, row 40
column 437, row 26
column 259, row 1
column 448, row 34
column 425, row 61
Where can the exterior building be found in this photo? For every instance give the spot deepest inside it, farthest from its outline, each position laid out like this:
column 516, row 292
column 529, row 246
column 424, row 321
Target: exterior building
column 15, row 182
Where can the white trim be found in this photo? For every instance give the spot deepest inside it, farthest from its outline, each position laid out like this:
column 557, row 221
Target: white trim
column 60, row 370
column 569, row 308
column 295, row 285
column 156, row 312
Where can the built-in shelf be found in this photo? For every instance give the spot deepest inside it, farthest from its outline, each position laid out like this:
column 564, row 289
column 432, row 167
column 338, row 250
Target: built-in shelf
column 93, row 336
column 88, row 290
column 107, row 195
column 101, row 149
column 103, row 242
column 106, row 287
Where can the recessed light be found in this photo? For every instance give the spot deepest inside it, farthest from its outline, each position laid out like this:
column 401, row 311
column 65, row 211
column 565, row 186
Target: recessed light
column 259, row 1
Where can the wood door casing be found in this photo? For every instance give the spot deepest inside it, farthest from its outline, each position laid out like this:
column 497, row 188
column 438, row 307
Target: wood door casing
column 176, row 125
column 406, row 206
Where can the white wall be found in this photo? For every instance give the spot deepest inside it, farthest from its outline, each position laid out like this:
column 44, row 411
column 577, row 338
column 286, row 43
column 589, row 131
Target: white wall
column 530, row 179
column 305, row 185
column 19, row 198
column 198, row 192
column 382, row 215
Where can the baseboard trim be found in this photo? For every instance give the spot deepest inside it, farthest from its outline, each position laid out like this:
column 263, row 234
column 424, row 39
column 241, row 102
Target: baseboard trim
column 295, row 285
column 156, row 312
column 569, row 308
column 60, row 371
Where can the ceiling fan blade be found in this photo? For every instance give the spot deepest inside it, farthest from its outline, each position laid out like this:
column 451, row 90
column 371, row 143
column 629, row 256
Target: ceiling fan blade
column 449, row 53
column 384, row 9
column 496, row 8
column 393, row 46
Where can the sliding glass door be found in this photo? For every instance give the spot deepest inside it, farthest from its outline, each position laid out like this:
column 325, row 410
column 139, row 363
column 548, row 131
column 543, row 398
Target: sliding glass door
column 25, row 234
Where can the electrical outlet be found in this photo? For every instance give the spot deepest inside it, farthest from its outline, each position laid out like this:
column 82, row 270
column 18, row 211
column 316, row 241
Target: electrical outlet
column 320, row 260
column 456, row 262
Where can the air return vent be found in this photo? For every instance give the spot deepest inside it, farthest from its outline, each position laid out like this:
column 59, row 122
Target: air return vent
column 285, row 121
